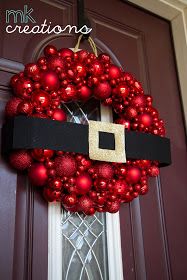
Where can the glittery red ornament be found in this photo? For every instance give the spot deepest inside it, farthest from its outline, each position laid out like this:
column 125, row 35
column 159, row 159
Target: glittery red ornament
column 23, row 87
column 139, row 101
column 133, row 175
column 113, row 207
column 114, row 72
column 83, row 183
column 38, row 174
column 84, row 93
column 55, row 61
column 120, row 187
column 85, row 203
column 102, row 91
column 50, row 50
column 20, row 159
column 153, row 171
column 59, row 115
column 65, row 165
column 41, row 98
column 105, row 170
column 50, row 80
column 11, row 107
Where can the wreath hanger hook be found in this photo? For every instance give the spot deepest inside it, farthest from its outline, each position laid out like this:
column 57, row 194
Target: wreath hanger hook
column 82, row 19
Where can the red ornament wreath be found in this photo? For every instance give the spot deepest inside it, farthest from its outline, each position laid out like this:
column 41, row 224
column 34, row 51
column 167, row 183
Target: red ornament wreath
column 79, row 183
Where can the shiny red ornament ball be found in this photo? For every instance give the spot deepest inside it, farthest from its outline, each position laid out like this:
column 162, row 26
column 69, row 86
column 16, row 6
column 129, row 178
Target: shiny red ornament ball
column 122, row 90
column 49, row 80
column 102, row 91
column 145, row 119
column 31, row 70
column 96, row 68
column 104, row 170
column 51, row 195
column 69, row 93
column 11, row 107
column 20, row 159
column 70, row 200
column 38, row 174
column 55, row 184
column 50, row 50
column 59, row 115
column 133, row 175
column 41, row 98
column 65, row 165
column 25, row 108
column 84, row 93
column 114, row 72
column 23, row 87
column 83, row 183
column 64, row 52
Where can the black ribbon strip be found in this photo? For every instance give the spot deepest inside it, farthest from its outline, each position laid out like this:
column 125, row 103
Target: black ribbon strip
column 28, row 133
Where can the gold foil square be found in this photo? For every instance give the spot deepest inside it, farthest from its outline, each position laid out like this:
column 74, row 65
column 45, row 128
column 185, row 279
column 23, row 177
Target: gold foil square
column 95, row 153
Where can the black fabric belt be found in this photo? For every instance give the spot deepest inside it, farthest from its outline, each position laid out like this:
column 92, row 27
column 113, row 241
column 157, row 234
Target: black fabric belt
column 27, row 133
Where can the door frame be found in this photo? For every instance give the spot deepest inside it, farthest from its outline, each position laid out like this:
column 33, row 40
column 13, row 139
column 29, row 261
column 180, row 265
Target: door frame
column 174, row 11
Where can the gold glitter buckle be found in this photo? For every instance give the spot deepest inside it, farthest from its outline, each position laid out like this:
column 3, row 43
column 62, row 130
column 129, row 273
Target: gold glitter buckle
column 96, row 153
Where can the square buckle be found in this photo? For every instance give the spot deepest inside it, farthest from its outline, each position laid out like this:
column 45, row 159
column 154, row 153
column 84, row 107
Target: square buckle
column 96, row 153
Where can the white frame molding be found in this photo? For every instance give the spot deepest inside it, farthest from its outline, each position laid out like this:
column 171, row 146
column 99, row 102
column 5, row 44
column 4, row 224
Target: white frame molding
column 176, row 12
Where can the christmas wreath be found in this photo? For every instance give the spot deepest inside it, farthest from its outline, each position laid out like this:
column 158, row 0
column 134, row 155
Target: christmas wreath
column 78, row 182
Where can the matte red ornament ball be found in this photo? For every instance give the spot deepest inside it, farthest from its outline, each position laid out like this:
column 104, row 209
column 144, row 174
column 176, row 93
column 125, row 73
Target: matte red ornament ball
column 133, row 175
column 114, row 72
column 59, row 115
column 83, row 183
column 50, row 50
column 65, row 165
column 49, row 80
column 102, row 90
column 105, row 170
column 38, row 174
column 20, row 159
column 11, row 106
column 41, row 98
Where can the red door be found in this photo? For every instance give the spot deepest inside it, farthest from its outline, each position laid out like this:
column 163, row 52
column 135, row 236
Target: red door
column 154, row 228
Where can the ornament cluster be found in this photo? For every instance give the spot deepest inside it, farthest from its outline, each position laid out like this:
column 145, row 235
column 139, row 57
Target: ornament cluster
column 83, row 185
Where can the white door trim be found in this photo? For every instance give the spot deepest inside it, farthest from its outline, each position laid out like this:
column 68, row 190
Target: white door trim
column 174, row 11
column 115, row 264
